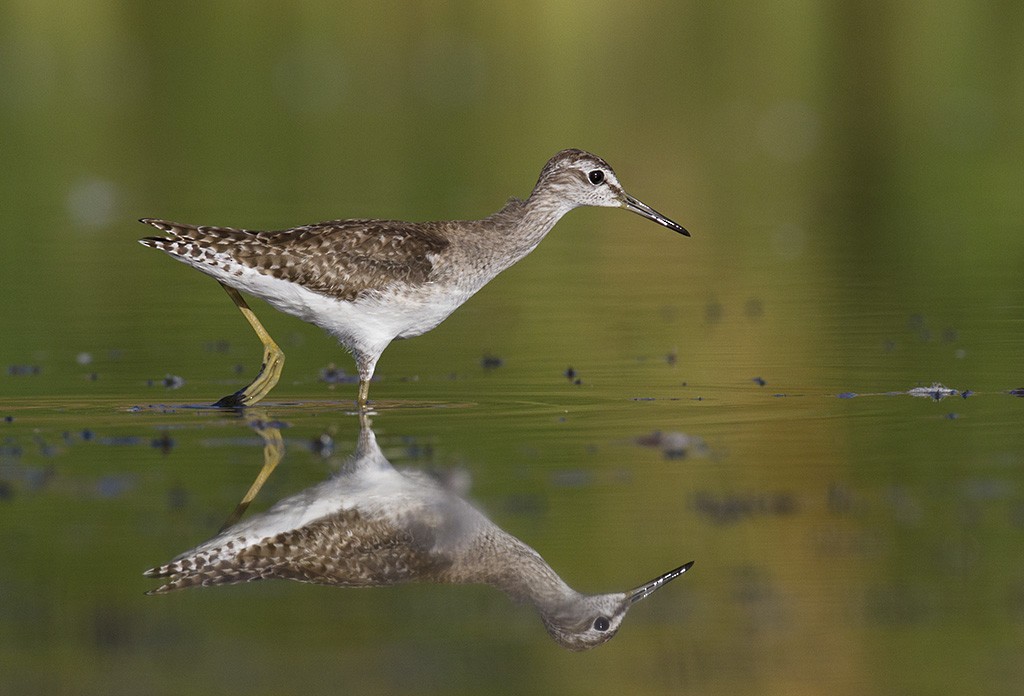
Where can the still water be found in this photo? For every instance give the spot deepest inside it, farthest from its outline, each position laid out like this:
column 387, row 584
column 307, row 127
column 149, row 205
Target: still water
column 848, row 536
column 813, row 398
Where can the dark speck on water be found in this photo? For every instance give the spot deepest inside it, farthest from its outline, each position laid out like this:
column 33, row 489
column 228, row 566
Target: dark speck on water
column 177, row 497
column 333, row 374
column 753, row 308
column 8, row 419
column 221, row 346
column 673, row 444
column 164, row 443
column 1017, row 392
column 759, row 381
column 323, row 445
column 169, row 382
column 847, row 395
column 491, row 362
column 23, row 370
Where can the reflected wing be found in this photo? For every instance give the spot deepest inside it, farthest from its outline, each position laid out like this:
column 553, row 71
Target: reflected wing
column 342, row 549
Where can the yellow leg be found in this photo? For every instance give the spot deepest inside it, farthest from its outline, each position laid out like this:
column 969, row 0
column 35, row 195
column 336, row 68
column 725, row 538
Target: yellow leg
column 273, row 453
column 364, row 393
column 273, row 360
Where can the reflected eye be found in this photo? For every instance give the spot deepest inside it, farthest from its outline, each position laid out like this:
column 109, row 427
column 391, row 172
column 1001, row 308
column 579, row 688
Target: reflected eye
column 596, row 176
column 601, row 624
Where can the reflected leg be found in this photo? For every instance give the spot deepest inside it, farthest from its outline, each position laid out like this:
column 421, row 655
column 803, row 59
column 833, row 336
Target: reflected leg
column 273, row 453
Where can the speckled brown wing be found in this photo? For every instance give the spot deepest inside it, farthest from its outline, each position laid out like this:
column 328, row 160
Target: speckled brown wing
column 343, row 549
column 339, row 258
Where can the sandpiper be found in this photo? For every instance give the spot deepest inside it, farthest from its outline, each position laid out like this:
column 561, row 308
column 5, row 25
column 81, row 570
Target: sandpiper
column 368, row 282
column 372, row 525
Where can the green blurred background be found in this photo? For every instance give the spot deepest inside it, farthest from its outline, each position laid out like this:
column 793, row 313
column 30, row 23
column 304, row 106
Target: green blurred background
column 852, row 174
column 884, row 138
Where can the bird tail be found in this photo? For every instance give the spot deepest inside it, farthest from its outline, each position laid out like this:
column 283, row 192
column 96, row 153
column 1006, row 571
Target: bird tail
column 198, row 571
column 177, row 236
column 182, row 574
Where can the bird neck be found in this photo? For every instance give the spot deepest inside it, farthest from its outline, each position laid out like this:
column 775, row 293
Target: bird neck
column 525, row 223
column 526, row 577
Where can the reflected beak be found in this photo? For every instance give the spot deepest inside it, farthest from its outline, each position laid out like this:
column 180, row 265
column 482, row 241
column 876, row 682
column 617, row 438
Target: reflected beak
column 652, row 214
column 648, row 588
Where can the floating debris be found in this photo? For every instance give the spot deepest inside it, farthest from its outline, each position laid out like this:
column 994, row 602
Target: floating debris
column 847, row 395
column 570, row 374
column 491, row 362
column 173, row 381
column 164, row 443
column 323, row 445
column 83, row 358
column 759, row 381
column 674, row 444
column 672, row 358
column 168, row 382
column 8, row 419
column 1016, row 392
column 23, row 370
column 219, row 346
column 937, row 392
column 335, row 375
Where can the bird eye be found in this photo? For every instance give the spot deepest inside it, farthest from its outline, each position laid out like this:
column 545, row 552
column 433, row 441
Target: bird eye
column 601, row 624
column 596, row 176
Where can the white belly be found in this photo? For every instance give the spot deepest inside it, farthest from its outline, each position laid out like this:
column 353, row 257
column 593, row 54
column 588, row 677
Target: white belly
column 364, row 326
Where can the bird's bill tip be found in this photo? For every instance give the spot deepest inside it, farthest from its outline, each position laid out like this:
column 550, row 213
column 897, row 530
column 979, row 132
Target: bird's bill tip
column 644, row 210
column 648, row 588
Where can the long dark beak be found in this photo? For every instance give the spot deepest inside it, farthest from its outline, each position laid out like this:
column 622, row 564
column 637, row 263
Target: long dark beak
column 647, row 588
column 652, row 214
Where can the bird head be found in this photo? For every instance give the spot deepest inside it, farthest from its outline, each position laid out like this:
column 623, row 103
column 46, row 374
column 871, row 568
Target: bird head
column 579, row 178
column 591, row 620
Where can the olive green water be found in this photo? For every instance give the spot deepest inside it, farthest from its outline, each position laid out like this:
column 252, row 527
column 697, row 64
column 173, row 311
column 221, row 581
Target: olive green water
column 852, row 180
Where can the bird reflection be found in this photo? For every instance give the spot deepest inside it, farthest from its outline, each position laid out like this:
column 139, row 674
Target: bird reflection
column 372, row 525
